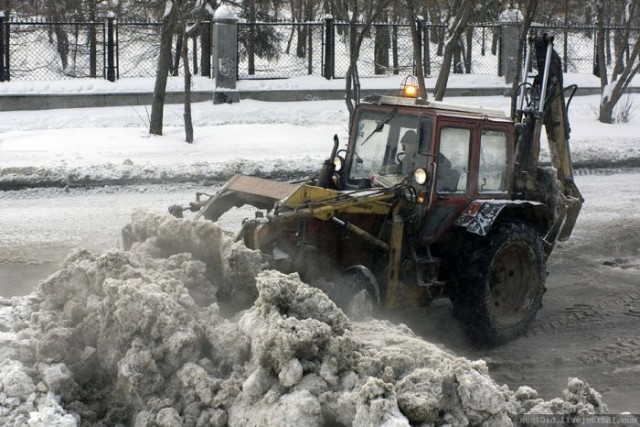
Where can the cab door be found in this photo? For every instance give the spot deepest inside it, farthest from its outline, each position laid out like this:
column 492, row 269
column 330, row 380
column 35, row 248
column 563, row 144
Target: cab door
column 453, row 158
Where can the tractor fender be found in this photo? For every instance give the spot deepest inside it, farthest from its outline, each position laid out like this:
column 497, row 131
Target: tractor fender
column 480, row 215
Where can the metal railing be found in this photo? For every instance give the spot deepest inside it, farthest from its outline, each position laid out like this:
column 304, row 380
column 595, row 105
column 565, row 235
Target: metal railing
column 37, row 50
column 386, row 49
column 280, row 50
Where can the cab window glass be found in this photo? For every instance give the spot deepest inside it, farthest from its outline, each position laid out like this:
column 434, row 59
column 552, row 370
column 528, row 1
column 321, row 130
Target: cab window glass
column 426, row 134
column 492, row 171
column 380, row 138
column 453, row 160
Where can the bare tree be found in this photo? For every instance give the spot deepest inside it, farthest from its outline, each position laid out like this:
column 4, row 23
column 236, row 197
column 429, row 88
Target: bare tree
column 455, row 30
column 360, row 15
column 613, row 89
column 412, row 14
column 162, row 72
column 55, row 12
column 187, row 30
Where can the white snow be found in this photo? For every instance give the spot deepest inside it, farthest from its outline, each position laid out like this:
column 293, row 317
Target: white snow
column 226, row 11
column 290, row 138
column 105, row 143
column 142, row 330
column 511, row 15
column 168, row 6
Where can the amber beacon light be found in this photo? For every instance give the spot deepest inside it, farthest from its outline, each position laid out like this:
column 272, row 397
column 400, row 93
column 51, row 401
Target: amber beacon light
column 409, row 87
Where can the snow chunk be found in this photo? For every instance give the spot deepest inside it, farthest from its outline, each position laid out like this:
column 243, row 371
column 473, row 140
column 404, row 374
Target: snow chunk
column 226, row 11
column 14, row 381
column 139, row 336
column 511, row 15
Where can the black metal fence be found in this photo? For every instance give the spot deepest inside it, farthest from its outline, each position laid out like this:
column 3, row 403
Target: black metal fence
column 37, row 50
column 272, row 50
column 61, row 50
column 576, row 46
column 114, row 50
column 280, row 50
column 137, row 49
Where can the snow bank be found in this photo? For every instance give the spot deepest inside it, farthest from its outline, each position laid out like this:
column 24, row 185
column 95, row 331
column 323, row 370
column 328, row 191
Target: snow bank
column 140, row 338
column 286, row 140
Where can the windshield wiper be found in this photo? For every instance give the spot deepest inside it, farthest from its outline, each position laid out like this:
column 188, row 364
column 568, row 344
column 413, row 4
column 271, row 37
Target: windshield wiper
column 380, row 125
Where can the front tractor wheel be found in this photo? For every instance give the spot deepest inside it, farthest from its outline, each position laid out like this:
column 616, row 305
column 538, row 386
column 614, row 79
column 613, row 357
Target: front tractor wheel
column 500, row 284
column 356, row 292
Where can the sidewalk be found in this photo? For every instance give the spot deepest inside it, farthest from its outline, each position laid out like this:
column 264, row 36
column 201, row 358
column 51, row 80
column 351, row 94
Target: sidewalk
column 101, row 146
column 85, row 93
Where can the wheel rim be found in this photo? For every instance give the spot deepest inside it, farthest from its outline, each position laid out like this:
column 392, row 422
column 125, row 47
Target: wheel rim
column 512, row 284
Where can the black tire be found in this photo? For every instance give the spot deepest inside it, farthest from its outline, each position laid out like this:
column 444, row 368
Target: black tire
column 501, row 280
column 355, row 294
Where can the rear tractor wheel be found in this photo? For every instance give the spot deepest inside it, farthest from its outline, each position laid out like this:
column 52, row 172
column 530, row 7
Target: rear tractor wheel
column 500, row 284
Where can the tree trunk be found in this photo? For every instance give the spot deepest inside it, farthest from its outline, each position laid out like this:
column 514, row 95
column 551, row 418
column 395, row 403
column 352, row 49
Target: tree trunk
column 290, row 40
column 494, row 42
column 350, row 84
column 176, row 60
column 605, row 113
column 162, row 72
column 468, row 57
column 460, row 22
column 381, row 49
column 194, row 53
column 417, row 55
column 62, row 46
column 394, row 49
column 458, row 65
column 188, row 123
column 613, row 91
column 301, row 45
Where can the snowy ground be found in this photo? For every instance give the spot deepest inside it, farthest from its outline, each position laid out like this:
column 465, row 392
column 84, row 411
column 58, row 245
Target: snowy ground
column 588, row 326
column 112, row 145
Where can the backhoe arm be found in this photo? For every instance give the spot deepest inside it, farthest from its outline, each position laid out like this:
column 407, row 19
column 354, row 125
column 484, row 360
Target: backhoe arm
column 546, row 105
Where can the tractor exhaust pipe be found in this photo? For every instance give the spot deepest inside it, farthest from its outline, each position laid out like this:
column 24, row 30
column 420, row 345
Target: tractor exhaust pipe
column 328, row 168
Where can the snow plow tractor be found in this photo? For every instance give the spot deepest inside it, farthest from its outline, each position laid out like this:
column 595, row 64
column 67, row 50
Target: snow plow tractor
column 428, row 200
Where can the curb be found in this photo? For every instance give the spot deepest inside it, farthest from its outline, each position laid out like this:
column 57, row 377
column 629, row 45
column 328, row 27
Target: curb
column 30, row 102
column 631, row 165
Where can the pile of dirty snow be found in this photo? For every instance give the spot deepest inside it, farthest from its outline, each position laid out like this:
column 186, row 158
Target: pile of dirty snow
column 140, row 338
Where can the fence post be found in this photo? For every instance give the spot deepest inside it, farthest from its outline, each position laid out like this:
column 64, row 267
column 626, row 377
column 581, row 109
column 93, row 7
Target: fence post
column 5, row 73
column 330, row 48
column 93, row 49
column 205, row 49
column 511, row 24
column 111, row 69
column 225, row 54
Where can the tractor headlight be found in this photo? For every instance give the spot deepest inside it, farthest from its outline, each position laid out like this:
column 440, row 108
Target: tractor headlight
column 338, row 162
column 420, row 176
